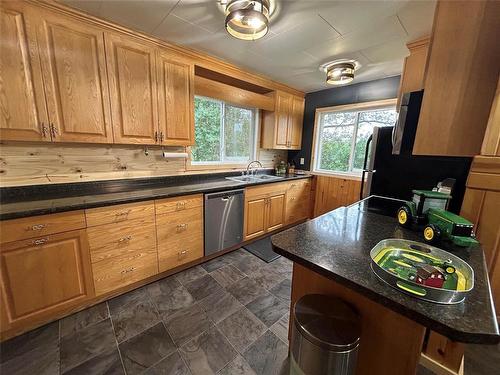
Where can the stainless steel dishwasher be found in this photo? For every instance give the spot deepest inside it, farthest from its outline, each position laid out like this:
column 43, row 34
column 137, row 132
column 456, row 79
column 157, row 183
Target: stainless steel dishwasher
column 223, row 220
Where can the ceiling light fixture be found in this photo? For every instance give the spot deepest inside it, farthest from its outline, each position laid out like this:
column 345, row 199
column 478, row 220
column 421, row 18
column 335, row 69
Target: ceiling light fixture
column 340, row 72
column 247, row 20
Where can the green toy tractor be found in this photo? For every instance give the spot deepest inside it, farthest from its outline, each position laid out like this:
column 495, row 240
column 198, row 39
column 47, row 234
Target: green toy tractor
column 429, row 208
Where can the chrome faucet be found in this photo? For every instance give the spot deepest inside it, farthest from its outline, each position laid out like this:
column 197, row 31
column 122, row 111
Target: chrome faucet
column 256, row 170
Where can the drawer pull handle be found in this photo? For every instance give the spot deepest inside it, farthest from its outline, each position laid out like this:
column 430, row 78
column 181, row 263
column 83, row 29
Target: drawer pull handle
column 180, row 206
column 181, row 227
column 40, row 241
column 182, row 254
column 37, row 227
column 125, row 239
column 128, row 270
column 292, row 198
column 124, row 213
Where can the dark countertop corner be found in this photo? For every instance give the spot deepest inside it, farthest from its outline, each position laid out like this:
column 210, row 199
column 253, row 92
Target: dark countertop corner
column 337, row 245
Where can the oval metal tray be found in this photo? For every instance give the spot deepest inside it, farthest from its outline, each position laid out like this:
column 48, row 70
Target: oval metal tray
column 413, row 254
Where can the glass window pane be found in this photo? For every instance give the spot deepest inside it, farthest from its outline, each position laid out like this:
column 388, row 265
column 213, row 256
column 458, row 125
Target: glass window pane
column 367, row 121
column 238, row 133
column 335, row 148
column 207, row 118
column 339, row 118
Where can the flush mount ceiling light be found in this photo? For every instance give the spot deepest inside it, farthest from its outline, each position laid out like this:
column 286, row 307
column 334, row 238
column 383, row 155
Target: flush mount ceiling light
column 247, row 19
column 340, row 72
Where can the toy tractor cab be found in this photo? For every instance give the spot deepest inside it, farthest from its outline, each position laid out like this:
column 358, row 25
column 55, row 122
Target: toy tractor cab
column 429, row 208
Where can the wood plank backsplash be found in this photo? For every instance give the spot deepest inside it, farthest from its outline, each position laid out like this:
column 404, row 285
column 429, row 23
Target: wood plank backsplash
column 38, row 163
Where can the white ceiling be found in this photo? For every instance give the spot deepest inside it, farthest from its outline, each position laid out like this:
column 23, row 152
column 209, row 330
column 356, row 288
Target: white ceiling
column 303, row 33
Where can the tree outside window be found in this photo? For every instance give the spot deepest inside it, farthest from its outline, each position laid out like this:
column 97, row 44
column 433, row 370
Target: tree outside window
column 342, row 137
column 223, row 133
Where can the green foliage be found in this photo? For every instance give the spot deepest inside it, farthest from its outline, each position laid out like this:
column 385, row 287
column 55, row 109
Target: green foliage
column 207, row 119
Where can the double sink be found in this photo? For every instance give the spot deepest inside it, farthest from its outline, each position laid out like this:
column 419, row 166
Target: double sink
column 256, row 178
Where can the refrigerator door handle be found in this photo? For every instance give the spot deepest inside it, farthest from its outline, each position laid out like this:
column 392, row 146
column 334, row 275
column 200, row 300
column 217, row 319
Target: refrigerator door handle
column 365, row 162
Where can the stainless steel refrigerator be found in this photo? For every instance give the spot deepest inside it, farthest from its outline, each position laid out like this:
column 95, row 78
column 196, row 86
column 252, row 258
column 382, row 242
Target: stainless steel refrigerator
column 391, row 170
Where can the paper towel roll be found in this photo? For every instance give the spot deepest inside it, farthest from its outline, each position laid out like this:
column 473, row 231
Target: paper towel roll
column 171, row 155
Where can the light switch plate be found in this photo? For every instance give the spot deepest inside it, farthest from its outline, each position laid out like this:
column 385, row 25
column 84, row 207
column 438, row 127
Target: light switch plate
column 301, row 161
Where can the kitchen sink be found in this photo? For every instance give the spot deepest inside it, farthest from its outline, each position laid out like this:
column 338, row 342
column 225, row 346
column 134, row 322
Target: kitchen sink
column 249, row 179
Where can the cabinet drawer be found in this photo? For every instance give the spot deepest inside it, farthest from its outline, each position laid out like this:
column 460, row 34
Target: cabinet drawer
column 298, row 188
column 177, row 204
column 177, row 253
column 266, row 190
column 113, row 273
column 111, row 240
column 36, row 226
column 119, row 213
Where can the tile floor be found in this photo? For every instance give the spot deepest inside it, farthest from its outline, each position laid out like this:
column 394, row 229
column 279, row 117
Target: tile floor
column 227, row 316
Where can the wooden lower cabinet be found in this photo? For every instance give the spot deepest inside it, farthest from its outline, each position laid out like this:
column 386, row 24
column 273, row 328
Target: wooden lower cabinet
column 179, row 233
column 44, row 275
column 264, row 209
column 333, row 192
column 298, row 201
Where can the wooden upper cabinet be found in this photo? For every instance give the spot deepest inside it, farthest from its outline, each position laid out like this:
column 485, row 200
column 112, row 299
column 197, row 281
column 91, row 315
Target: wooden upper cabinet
column 282, row 128
column 491, row 141
column 414, row 67
column 22, row 102
column 175, row 100
column 132, row 83
column 44, row 275
column 295, row 123
column 76, row 86
column 461, row 78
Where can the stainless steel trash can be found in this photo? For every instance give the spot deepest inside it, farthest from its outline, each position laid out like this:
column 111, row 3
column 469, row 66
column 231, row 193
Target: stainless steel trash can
column 325, row 336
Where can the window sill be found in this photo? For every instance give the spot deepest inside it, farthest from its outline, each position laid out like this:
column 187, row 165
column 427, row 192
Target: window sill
column 218, row 167
column 348, row 176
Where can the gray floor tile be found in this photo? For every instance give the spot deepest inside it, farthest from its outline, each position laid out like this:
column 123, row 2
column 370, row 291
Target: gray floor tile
column 190, row 274
column 163, row 287
column 241, row 329
column 267, row 277
column 40, row 361
column 216, row 263
column 282, row 265
column 107, row 363
column 188, row 323
column 283, row 290
column 84, row 318
column 171, row 365
column 128, row 299
column 203, row 287
column 238, row 255
column 45, row 336
column 268, row 308
column 238, row 366
column 246, row 290
column 170, row 302
column 280, row 328
column 249, row 265
column 208, row 352
column 134, row 319
column 227, row 275
column 268, row 355
column 220, row 305
column 146, row 349
column 86, row 343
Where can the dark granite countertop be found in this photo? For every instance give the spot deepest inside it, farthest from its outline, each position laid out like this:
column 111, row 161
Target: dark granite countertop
column 31, row 202
column 337, row 245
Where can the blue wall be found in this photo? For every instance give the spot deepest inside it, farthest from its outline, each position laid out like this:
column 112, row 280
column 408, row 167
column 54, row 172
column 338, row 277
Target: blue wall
column 386, row 88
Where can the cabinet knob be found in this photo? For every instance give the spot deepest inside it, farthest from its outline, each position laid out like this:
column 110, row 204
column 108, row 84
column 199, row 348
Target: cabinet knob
column 44, row 130
column 128, row 270
column 181, row 227
column 182, row 254
column 156, row 136
column 125, row 239
column 53, row 130
column 180, row 206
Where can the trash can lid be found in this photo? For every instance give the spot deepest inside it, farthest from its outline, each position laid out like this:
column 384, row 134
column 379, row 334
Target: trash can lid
column 327, row 322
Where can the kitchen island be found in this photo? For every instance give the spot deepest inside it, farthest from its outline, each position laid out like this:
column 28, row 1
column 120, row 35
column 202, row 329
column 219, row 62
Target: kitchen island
column 331, row 255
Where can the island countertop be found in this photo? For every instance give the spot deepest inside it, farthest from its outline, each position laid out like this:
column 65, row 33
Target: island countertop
column 337, row 246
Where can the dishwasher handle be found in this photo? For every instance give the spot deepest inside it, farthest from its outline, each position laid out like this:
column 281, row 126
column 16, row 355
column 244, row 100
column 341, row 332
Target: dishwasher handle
column 224, row 195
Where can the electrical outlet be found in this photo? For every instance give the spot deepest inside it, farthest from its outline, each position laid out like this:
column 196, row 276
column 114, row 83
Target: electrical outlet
column 301, row 161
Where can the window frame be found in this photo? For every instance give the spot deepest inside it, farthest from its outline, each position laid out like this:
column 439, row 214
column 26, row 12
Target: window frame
column 318, row 127
column 229, row 164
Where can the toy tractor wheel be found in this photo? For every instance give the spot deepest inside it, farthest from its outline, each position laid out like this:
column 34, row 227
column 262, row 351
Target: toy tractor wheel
column 449, row 269
column 404, row 216
column 431, row 233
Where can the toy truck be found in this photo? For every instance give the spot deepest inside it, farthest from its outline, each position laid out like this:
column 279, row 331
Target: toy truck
column 429, row 208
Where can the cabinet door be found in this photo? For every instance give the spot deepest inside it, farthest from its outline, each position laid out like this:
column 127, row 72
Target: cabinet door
column 275, row 212
column 295, row 124
column 255, row 217
column 76, row 85
column 176, row 98
column 132, row 83
column 283, row 109
column 44, row 275
column 22, row 100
